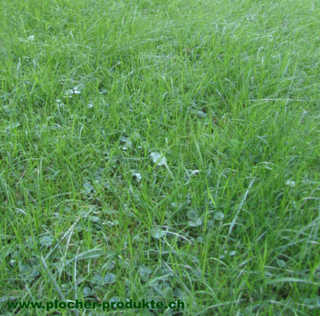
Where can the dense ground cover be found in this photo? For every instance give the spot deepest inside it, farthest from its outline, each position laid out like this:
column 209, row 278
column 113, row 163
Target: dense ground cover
column 161, row 150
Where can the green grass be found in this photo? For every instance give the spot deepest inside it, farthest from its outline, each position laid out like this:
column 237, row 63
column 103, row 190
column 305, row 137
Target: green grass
column 227, row 91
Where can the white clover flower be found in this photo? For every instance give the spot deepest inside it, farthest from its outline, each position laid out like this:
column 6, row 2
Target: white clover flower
column 158, row 159
column 290, row 183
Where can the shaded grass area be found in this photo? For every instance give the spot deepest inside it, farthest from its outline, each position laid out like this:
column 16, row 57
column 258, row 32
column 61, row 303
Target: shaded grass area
column 227, row 92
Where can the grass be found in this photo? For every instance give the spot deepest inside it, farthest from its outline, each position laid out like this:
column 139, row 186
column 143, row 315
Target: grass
column 225, row 218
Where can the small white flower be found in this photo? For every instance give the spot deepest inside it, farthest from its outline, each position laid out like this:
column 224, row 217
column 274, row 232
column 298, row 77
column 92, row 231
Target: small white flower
column 290, row 183
column 138, row 176
column 158, row 159
column 78, row 88
column 31, row 38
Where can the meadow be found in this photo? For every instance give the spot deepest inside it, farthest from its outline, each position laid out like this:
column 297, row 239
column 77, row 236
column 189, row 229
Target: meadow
column 160, row 150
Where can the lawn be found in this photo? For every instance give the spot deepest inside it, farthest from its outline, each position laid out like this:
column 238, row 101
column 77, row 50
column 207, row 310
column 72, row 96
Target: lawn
column 160, row 150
